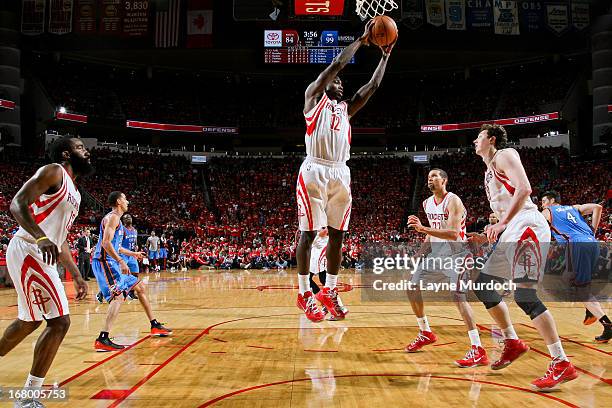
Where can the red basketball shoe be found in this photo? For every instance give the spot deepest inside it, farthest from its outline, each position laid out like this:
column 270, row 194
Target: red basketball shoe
column 329, row 298
column 310, row 307
column 559, row 371
column 513, row 349
column 476, row 356
column 423, row 338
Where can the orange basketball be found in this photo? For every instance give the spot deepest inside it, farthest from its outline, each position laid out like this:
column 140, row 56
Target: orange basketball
column 383, row 31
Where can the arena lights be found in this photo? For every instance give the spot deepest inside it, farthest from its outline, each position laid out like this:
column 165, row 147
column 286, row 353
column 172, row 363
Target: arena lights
column 6, row 104
column 523, row 120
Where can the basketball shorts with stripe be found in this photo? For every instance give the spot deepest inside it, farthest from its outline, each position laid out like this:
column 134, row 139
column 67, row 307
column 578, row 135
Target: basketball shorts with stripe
column 110, row 279
column 40, row 291
column 323, row 195
column 521, row 252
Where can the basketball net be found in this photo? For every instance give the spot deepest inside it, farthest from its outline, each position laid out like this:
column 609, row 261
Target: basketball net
column 372, row 8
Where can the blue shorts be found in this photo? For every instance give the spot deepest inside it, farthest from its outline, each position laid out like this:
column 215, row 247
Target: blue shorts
column 163, row 253
column 110, row 279
column 583, row 258
column 132, row 263
column 153, row 254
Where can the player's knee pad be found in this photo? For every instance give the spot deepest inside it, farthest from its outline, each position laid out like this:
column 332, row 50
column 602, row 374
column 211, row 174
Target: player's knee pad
column 529, row 302
column 489, row 297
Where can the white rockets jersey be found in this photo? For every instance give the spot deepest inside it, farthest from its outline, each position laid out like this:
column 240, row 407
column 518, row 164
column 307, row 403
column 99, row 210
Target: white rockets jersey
column 55, row 213
column 500, row 191
column 437, row 216
column 328, row 131
column 318, row 254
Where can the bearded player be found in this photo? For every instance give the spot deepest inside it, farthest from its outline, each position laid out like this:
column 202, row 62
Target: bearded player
column 45, row 208
column 323, row 185
column 523, row 237
column 446, row 237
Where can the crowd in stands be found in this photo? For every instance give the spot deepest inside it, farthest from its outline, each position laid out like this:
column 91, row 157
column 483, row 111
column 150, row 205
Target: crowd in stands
column 240, row 212
column 271, row 101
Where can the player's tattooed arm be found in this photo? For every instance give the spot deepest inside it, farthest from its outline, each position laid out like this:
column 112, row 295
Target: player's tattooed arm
column 316, row 88
column 591, row 208
column 48, row 179
column 365, row 92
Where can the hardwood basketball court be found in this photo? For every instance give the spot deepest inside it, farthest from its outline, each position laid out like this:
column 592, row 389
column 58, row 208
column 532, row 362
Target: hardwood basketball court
column 240, row 341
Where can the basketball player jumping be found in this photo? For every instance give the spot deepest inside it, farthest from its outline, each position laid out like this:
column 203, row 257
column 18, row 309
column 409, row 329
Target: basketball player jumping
column 323, row 186
column 568, row 225
column 523, row 237
column 446, row 215
column 45, row 208
column 113, row 273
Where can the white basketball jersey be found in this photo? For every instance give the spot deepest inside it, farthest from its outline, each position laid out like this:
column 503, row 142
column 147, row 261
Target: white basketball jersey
column 56, row 212
column 500, row 191
column 328, row 131
column 437, row 216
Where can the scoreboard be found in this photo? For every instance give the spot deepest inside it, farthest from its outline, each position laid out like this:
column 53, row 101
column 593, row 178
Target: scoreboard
column 305, row 47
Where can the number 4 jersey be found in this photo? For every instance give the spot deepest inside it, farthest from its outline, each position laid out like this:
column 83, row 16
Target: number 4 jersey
column 567, row 222
column 55, row 213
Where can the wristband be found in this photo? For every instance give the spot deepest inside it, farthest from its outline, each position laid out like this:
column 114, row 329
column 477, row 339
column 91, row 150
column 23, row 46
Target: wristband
column 41, row 239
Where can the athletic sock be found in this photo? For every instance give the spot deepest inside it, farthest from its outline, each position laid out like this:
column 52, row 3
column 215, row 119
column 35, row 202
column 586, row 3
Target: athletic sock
column 474, row 338
column 423, row 324
column 605, row 321
column 103, row 335
column 556, row 351
column 154, row 322
column 509, row 333
column 304, row 283
column 34, row 382
column 331, row 281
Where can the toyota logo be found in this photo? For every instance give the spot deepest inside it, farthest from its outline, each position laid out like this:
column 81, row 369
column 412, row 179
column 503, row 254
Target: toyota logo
column 273, row 36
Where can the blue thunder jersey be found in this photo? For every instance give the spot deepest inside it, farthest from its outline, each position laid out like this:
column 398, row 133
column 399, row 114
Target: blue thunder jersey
column 129, row 238
column 568, row 221
column 100, row 253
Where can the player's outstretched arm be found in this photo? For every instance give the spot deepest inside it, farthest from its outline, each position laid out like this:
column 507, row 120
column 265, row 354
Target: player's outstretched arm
column 591, row 208
column 316, row 88
column 46, row 178
column 365, row 92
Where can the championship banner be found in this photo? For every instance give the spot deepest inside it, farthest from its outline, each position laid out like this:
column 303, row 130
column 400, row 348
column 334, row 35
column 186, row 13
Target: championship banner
column 136, row 18
column 6, row 104
column 505, row 14
column 524, row 120
column 479, row 15
column 85, row 16
column 435, row 12
column 455, row 14
column 32, row 17
column 557, row 17
column 110, row 17
column 319, row 7
column 581, row 15
column 531, row 13
column 412, row 14
column 199, row 23
column 60, row 16
column 72, row 117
